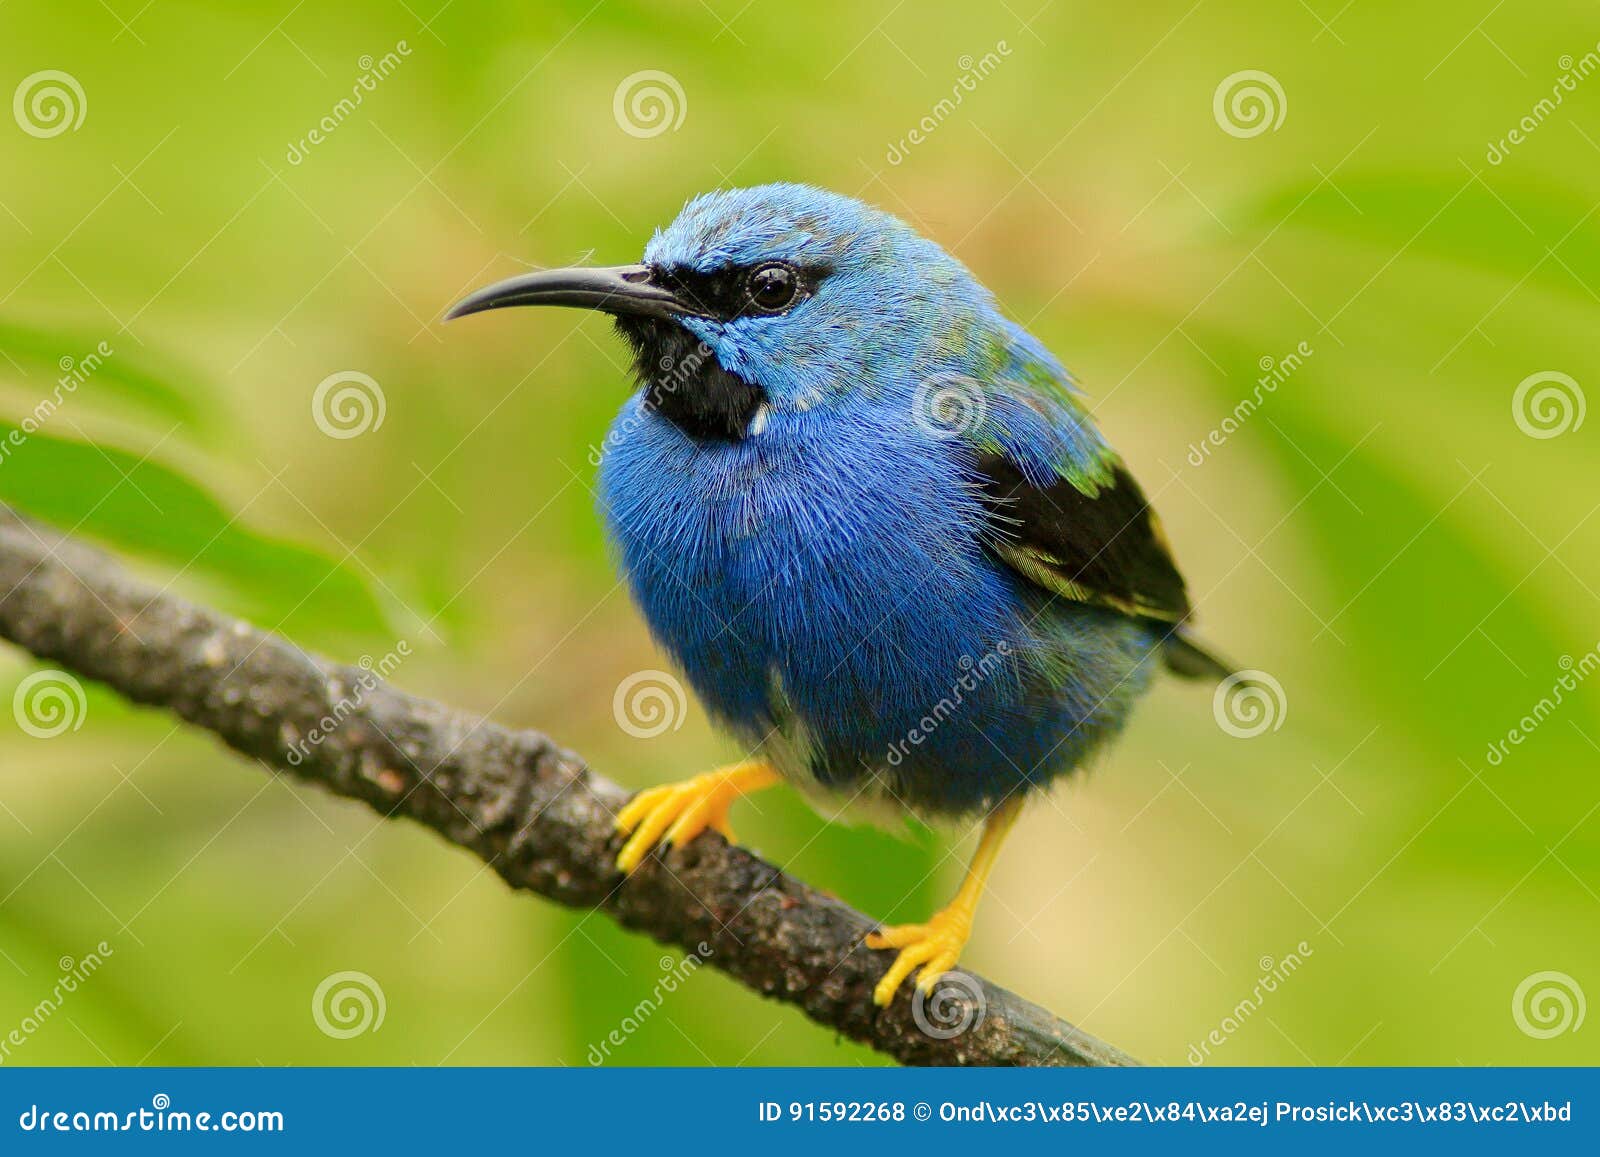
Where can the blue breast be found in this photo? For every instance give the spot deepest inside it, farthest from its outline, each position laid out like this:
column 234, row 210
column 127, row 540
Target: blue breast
column 828, row 576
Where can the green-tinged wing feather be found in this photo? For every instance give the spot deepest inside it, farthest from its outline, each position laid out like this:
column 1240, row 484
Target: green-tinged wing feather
column 1105, row 548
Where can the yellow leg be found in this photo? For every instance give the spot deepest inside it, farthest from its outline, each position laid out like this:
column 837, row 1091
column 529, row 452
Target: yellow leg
column 937, row 944
column 681, row 811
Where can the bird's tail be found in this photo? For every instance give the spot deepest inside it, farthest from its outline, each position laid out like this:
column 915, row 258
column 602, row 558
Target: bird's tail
column 1189, row 659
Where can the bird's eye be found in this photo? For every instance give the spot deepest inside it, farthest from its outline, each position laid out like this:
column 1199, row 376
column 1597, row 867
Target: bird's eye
column 772, row 287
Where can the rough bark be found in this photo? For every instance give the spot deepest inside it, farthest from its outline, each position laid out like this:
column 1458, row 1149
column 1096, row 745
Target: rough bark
column 528, row 808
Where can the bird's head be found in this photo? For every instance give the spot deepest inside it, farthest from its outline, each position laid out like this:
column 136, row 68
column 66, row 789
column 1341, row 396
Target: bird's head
column 778, row 298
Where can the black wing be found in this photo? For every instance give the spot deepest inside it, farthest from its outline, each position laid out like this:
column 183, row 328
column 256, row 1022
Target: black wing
column 1107, row 550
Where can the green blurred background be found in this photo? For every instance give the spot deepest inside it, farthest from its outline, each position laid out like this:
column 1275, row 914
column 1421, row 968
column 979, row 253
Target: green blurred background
column 1381, row 535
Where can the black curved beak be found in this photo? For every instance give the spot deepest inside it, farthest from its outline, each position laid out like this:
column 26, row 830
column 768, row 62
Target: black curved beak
column 621, row 290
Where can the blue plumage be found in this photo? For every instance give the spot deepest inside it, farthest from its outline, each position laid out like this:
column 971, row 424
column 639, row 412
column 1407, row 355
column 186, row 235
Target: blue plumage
column 825, row 584
column 870, row 518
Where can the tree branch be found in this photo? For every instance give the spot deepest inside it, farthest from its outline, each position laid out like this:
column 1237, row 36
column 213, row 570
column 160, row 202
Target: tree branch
column 527, row 808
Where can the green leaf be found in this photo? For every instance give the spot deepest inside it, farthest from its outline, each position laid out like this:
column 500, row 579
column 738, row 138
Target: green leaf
column 149, row 509
column 92, row 366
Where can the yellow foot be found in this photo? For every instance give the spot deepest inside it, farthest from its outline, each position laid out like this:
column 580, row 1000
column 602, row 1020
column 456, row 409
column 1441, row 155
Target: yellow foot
column 681, row 811
column 935, row 945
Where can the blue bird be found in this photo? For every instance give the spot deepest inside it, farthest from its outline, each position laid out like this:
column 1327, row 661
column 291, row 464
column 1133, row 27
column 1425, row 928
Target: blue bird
column 872, row 520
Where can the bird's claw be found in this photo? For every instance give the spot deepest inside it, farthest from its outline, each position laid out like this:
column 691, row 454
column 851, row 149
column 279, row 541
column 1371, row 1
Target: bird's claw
column 935, row 946
column 679, row 812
